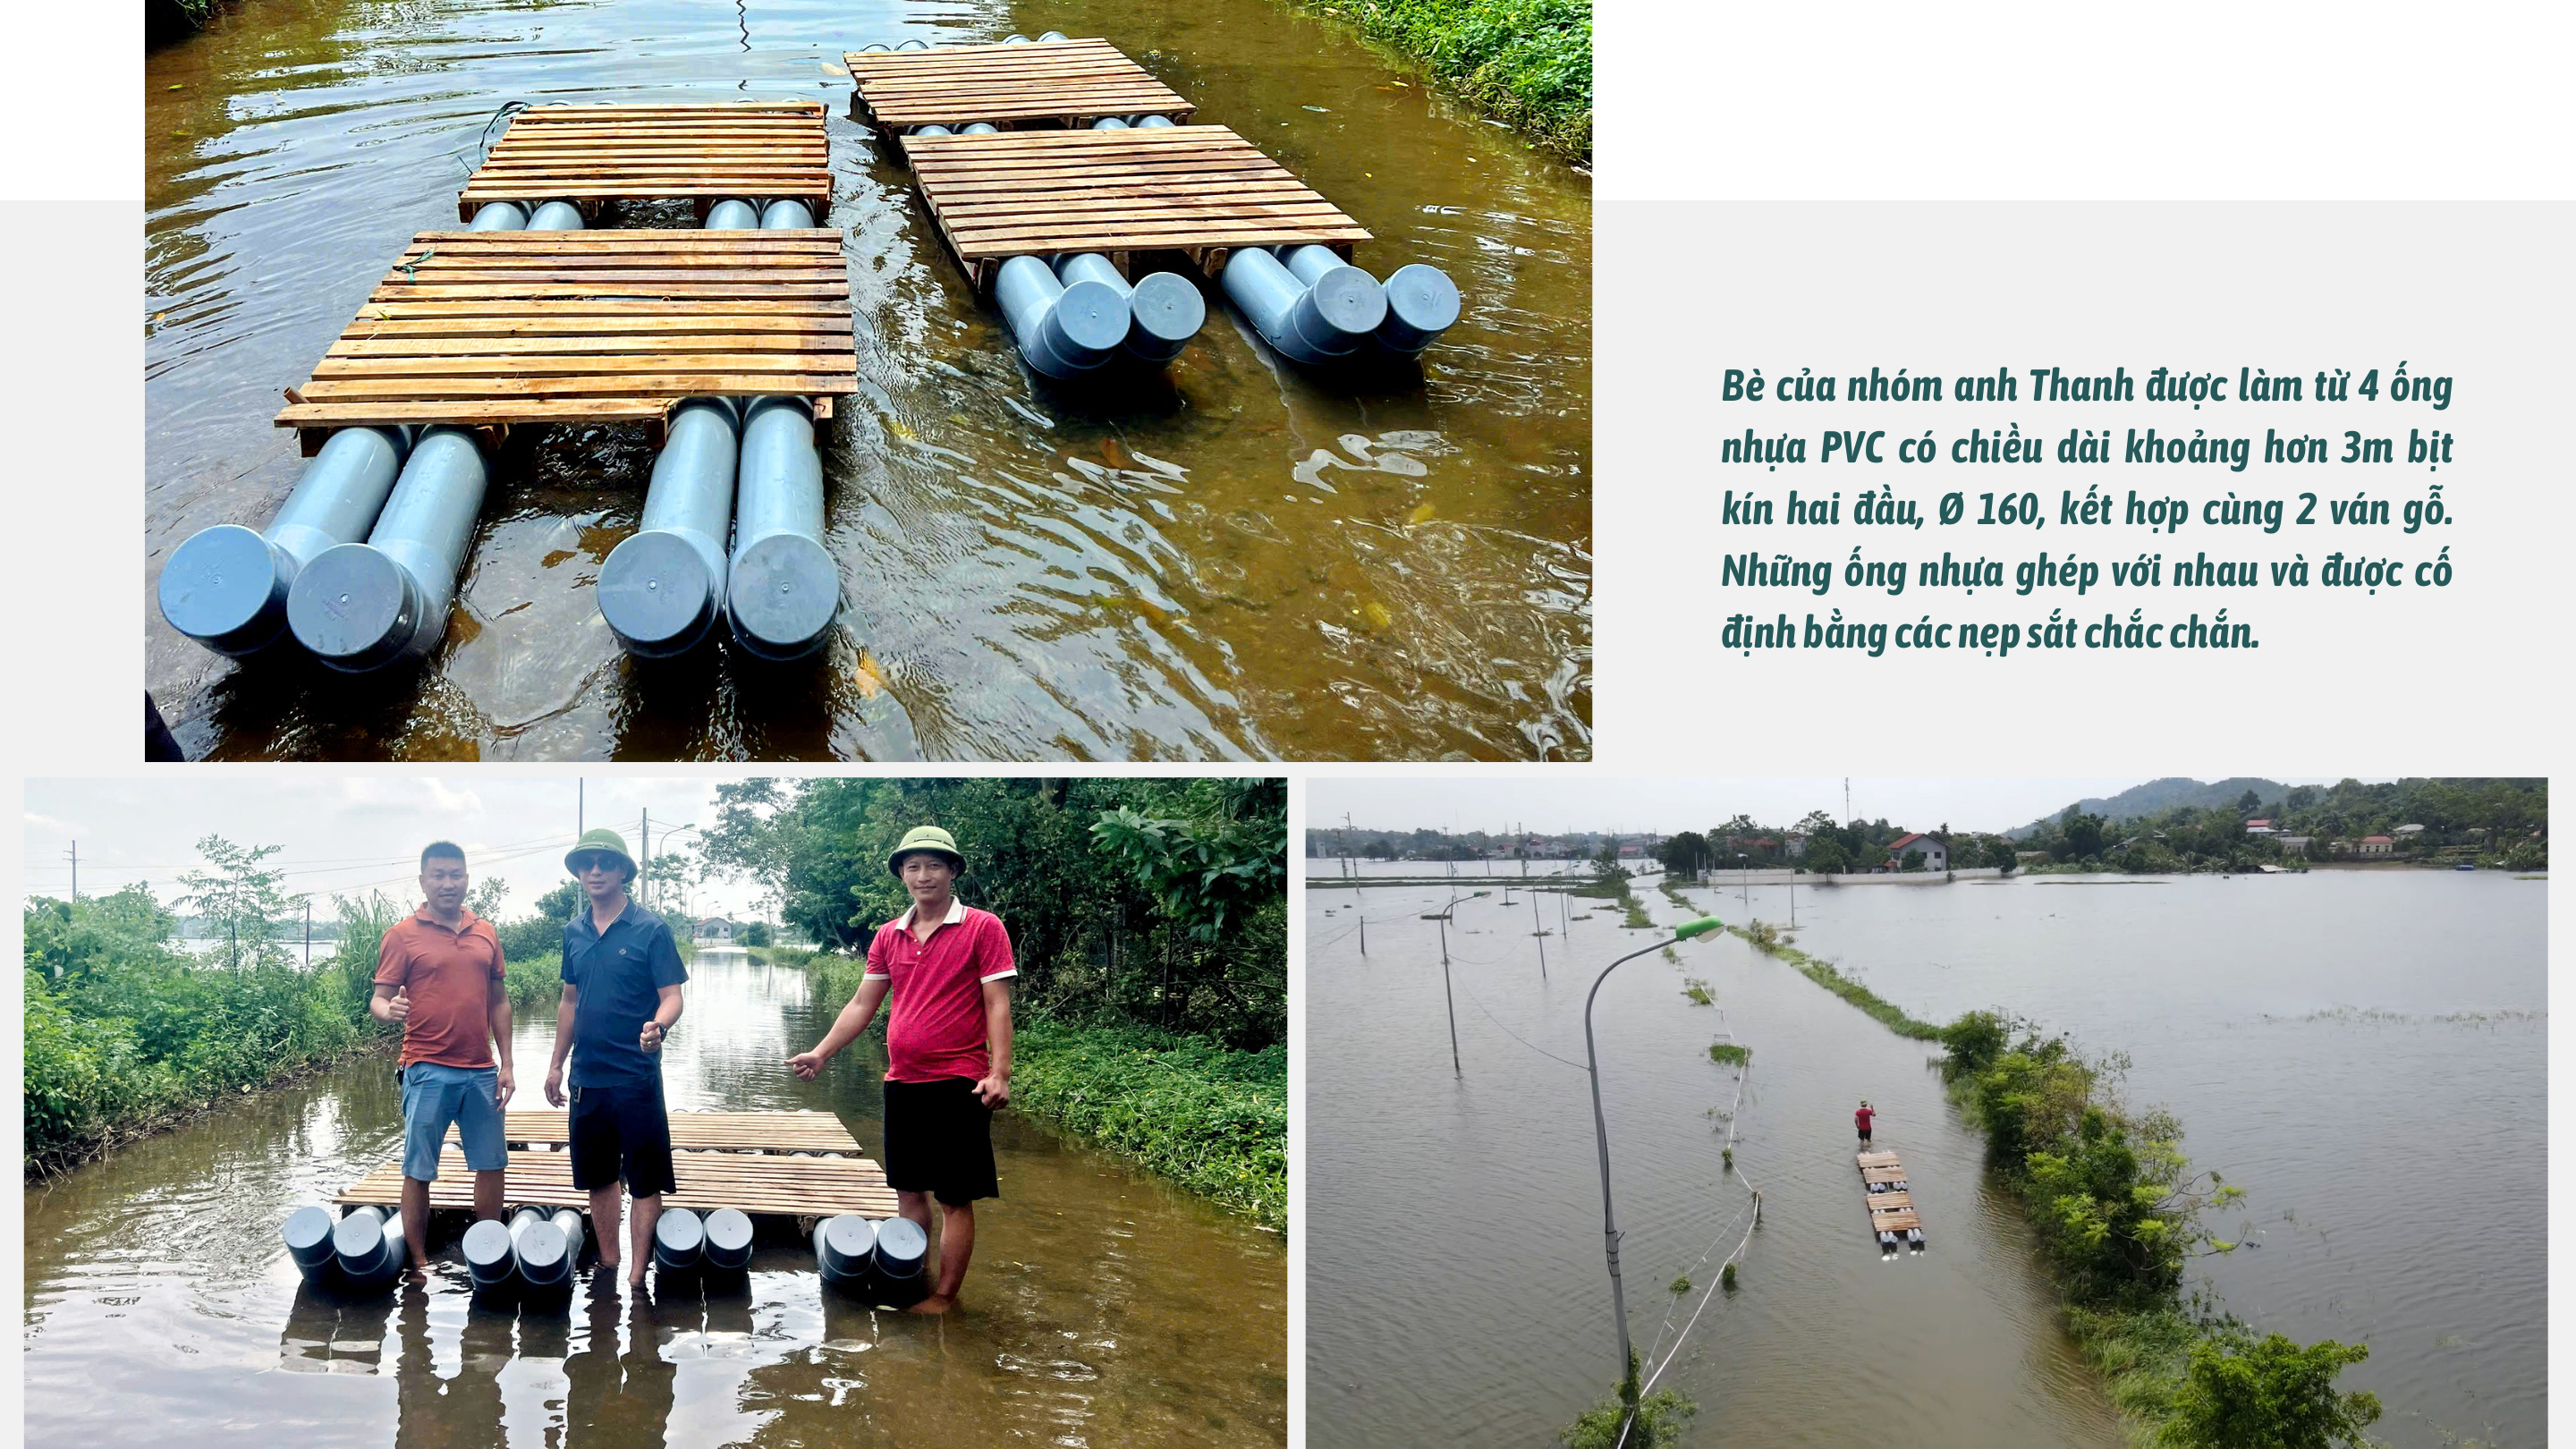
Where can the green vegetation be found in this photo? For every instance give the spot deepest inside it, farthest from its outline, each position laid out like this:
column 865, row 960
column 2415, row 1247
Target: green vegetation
column 2497, row 823
column 1148, row 919
column 1726, row 1276
column 1765, row 938
column 1527, row 63
column 1727, row 1053
column 1697, row 990
column 2119, row 1211
column 1607, row 1425
column 127, row 1033
column 1679, row 1286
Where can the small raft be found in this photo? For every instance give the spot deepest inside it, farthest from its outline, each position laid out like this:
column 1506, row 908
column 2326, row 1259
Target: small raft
column 1892, row 1219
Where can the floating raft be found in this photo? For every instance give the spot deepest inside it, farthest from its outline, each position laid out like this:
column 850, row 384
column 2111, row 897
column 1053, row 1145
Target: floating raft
column 1063, row 82
column 1892, row 1218
column 754, row 1173
column 1199, row 190
column 493, row 329
column 588, row 155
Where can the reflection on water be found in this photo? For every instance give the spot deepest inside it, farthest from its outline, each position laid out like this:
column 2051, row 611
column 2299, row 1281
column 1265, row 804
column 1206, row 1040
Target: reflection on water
column 1236, row 561
column 2363, row 1053
column 1101, row 1309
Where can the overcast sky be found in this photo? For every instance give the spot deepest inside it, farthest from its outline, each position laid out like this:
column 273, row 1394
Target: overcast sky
column 348, row 834
column 1554, row 803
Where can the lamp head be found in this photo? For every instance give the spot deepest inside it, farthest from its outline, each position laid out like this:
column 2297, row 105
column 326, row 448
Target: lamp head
column 1700, row 927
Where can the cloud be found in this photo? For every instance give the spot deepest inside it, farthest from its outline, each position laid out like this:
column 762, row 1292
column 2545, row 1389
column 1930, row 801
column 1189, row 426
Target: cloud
column 55, row 824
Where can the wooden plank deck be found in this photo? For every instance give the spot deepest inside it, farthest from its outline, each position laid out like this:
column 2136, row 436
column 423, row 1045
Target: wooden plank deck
column 1199, row 190
column 757, row 1183
column 494, row 329
column 1071, row 83
column 780, row 1132
column 1889, row 1212
column 593, row 154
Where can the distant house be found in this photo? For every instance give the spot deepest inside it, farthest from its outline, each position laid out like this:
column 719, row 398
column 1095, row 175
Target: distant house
column 2294, row 843
column 1630, row 852
column 1797, row 846
column 1936, row 856
column 2261, row 827
column 714, row 929
column 2410, row 831
column 2377, row 845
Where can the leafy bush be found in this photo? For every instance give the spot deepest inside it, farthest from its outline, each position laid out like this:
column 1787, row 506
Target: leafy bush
column 2242, row 1392
column 1212, row 1120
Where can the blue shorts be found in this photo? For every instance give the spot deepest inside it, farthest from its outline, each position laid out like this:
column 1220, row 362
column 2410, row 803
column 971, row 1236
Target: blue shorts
column 434, row 1096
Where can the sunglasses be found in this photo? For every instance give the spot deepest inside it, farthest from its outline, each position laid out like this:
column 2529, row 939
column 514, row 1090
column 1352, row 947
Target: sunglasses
column 584, row 864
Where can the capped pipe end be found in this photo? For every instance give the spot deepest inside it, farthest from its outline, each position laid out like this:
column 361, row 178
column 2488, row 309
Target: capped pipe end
column 658, row 595
column 1092, row 316
column 359, row 1239
column 901, row 1246
column 1349, row 300
column 1167, row 311
column 728, row 1237
column 843, row 1245
column 782, row 597
column 540, row 1251
column 226, row 588
column 488, row 1253
column 678, row 1238
column 308, row 1239
column 1421, row 303
column 355, row 608
column 787, row 213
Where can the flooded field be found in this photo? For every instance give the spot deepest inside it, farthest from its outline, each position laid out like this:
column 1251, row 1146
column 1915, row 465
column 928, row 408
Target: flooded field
column 1103, row 1308
column 2362, row 1053
column 1248, row 561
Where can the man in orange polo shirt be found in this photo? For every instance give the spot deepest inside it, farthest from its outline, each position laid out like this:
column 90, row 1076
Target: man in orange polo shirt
column 438, row 974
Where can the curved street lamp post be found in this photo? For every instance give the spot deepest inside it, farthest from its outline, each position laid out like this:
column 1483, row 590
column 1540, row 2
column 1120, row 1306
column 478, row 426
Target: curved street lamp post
column 1601, row 1128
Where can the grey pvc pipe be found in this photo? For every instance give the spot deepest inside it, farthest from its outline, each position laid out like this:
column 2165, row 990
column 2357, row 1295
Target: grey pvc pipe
column 932, row 131
column 1164, row 311
column 1064, row 331
column 1015, row 40
column 538, row 1247
column 1149, row 123
column 913, row 45
column 980, row 128
column 1053, row 35
column 733, row 214
column 679, row 1240
column 1110, row 123
column 782, row 588
column 903, row 1250
column 874, row 45
column 488, row 1255
column 370, row 1248
column 1421, row 301
column 308, row 1241
column 786, row 214
column 662, row 589
column 728, row 1238
column 1319, row 318
column 362, row 606
column 500, row 216
column 844, row 1247
column 227, row 587
column 567, row 1225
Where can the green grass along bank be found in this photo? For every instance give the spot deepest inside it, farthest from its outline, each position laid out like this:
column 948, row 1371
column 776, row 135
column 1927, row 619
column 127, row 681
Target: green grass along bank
column 1202, row 1116
column 1526, row 63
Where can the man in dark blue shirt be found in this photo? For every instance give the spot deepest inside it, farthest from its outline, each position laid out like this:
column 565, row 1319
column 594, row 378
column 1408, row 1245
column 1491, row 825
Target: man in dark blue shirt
column 621, row 975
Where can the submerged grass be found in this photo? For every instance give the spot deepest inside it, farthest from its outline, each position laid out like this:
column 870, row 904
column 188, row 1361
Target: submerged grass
column 1526, row 63
column 1765, row 938
column 1727, row 1053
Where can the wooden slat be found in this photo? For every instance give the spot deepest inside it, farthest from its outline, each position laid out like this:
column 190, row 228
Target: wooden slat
column 702, row 1131
column 1197, row 189
column 496, row 328
column 754, row 1183
column 1073, row 81
column 589, row 154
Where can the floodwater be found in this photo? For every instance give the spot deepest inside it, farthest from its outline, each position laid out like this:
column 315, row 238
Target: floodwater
column 1456, row 1292
column 1102, row 1307
column 2363, row 1053
column 1246, row 562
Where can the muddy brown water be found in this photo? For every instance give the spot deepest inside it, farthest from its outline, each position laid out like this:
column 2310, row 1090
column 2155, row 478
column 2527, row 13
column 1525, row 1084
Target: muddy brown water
column 1103, row 1308
column 1244, row 561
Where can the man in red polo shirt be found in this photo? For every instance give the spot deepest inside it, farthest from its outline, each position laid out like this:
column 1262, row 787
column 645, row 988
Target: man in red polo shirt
column 948, row 1047
column 438, row 974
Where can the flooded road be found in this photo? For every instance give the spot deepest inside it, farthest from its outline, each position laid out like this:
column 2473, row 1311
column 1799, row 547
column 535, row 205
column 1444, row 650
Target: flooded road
column 1102, row 1308
column 1456, row 1290
column 1244, row 562
column 2363, row 1053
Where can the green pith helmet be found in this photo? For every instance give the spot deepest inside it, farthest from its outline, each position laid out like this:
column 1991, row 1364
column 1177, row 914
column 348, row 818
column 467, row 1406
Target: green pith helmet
column 925, row 838
column 607, row 841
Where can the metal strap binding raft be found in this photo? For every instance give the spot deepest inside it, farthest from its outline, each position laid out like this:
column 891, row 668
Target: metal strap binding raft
column 587, row 155
column 1066, row 82
column 1890, row 1199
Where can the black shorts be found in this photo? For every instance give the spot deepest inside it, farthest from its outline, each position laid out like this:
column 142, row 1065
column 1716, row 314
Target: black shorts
column 939, row 1140
column 620, row 1130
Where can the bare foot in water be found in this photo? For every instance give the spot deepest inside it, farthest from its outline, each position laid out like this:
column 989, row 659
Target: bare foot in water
column 933, row 1304
column 635, row 1279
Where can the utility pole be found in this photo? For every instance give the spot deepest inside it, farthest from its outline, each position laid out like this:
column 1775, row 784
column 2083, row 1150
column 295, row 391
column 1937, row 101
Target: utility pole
column 1847, row 815
column 75, row 873
column 1540, row 933
column 308, row 934
column 1454, row 1068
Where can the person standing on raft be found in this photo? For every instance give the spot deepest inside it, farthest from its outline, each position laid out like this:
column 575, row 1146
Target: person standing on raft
column 438, row 977
column 948, row 1048
column 621, row 994
column 1862, row 1119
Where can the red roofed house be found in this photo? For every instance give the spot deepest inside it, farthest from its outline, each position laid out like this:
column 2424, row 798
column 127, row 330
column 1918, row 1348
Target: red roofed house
column 1936, row 856
column 2261, row 827
column 2377, row 845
